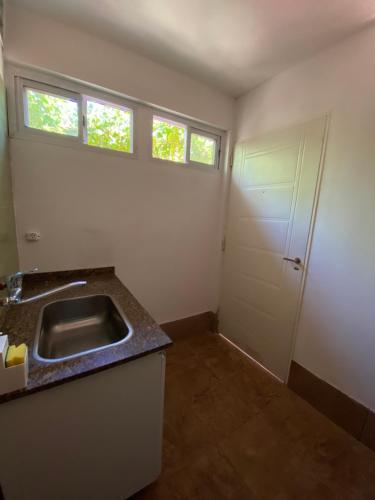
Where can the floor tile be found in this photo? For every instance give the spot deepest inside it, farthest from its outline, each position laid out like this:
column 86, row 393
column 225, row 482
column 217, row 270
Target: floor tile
column 233, row 432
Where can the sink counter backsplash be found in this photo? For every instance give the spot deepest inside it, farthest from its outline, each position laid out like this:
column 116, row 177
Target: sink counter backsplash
column 20, row 322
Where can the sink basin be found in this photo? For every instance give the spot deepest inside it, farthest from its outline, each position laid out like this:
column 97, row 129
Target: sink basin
column 73, row 327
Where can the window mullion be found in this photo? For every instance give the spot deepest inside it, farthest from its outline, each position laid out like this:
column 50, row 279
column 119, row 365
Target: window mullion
column 84, row 119
column 218, row 152
column 81, row 118
column 188, row 139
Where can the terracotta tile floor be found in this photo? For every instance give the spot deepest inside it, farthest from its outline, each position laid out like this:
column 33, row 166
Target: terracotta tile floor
column 232, row 432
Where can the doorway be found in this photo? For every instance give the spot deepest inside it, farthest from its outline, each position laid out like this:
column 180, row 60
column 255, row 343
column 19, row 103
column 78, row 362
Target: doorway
column 272, row 201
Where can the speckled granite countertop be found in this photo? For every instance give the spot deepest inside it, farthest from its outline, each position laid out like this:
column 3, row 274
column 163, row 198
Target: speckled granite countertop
column 19, row 323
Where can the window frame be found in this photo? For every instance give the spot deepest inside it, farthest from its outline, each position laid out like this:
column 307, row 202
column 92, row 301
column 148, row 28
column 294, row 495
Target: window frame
column 172, row 121
column 61, row 87
column 112, row 104
column 209, row 135
column 191, row 127
column 18, row 75
column 22, row 86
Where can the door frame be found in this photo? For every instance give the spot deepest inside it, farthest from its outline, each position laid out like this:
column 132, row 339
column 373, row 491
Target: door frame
column 326, row 121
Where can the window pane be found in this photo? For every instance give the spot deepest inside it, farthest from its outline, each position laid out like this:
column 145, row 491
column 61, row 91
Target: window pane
column 168, row 140
column 51, row 113
column 109, row 126
column 202, row 149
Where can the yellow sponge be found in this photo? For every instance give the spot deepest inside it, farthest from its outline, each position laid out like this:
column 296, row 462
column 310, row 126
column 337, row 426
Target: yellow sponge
column 15, row 355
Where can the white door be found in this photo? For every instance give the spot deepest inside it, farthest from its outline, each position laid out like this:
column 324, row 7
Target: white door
column 272, row 198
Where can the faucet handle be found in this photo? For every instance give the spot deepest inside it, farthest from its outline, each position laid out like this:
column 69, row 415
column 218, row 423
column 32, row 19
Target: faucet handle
column 13, row 283
column 15, row 279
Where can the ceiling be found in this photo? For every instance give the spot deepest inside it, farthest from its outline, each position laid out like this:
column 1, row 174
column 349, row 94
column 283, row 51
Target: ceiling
column 231, row 44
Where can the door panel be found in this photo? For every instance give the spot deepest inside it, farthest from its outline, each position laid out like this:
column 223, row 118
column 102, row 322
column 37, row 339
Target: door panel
column 272, row 167
column 272, row 196
column 270, row 237
column 266, row 202
column 263, row 296
column 265, row 266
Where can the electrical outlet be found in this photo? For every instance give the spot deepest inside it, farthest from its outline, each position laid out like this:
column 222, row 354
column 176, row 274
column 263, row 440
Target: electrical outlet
column 32, row 236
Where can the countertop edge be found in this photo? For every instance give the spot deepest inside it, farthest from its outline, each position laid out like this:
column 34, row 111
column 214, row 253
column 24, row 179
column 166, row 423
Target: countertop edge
column 21, row 393
column 20, row 328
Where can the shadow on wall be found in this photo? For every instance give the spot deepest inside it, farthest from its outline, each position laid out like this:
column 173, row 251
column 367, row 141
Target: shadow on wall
column 8, row 243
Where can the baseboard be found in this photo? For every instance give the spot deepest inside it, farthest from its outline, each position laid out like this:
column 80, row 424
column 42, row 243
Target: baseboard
column 344, row 411
column 193, row 325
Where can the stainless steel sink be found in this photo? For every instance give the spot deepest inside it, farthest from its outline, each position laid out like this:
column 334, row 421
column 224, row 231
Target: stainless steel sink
column 73, row 327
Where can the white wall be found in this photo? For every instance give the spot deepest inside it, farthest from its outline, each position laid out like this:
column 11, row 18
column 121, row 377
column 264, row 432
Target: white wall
column 8, row 244
column 41, row 42
column 156, row 222
column 336, row 334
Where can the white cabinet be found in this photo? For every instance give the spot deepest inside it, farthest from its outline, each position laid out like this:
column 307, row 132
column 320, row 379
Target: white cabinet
column 94, row 438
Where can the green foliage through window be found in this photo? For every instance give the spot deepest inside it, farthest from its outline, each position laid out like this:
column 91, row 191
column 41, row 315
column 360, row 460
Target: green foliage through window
column 103, row 124
column 168, row 140
column 51, row 113
column 202, row 149
column 109, row 126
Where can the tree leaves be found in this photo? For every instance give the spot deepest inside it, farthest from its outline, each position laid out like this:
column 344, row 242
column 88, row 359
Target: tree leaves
column 169, row 143
column 168, row 140
column 52, row 113
column 202, row 149
column 108, row 126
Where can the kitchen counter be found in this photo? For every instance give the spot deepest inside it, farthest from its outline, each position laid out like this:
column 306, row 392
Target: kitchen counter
column 19, row 323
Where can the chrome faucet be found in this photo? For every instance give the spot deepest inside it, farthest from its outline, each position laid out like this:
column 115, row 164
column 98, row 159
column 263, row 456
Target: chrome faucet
column 13, row 284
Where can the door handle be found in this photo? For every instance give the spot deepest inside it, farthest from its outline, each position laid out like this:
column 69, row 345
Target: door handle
column 296, row 260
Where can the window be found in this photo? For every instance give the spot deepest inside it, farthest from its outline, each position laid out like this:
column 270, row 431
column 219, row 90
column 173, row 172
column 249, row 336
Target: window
column 180, row 143
column 108, row 126
column 51, row 113
column 168, row 140
column 68, row 116
column 202, row 149
column 56, row 110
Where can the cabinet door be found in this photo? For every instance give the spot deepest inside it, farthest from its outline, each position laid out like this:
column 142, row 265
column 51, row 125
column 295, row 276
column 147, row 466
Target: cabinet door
column 93, row 438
